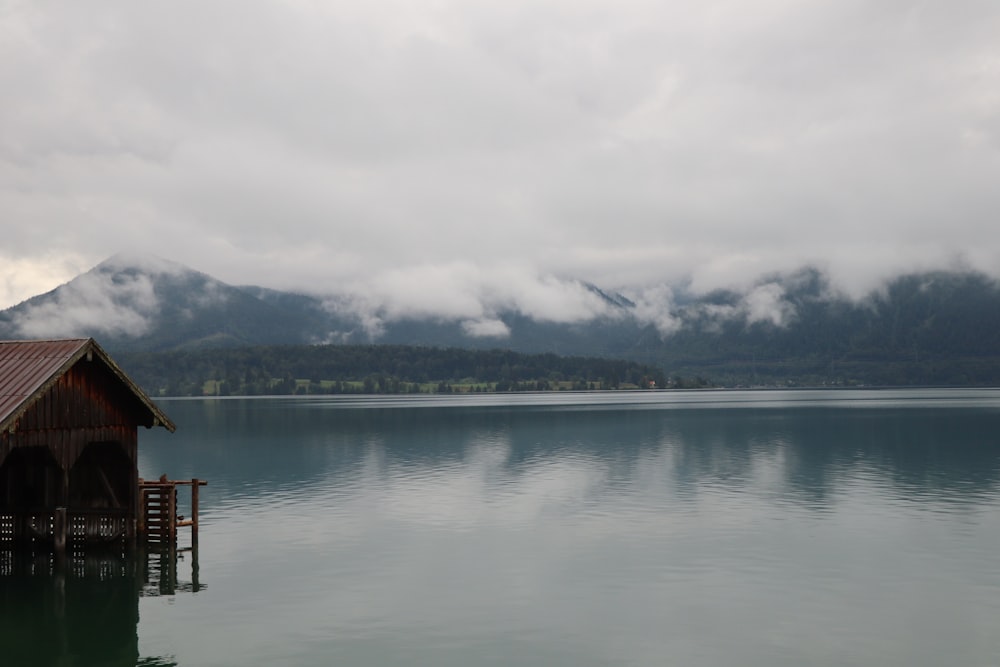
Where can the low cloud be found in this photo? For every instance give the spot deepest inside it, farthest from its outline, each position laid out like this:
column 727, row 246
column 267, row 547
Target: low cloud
column 670, row 309
column 766, row 303
column 93, row 303
column 469, row 295
column 655, row 305
column 143, row 262
column 763, row 303
column 120, row 298
column 486, row 328
column 475, row 299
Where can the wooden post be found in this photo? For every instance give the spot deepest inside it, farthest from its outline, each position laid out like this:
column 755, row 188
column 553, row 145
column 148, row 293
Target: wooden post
column 194, row 512
column 140, row 514
column 172, row 516
column 168, row 569
column 195, row 570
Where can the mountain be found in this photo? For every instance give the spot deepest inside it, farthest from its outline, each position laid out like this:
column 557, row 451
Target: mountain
column 922, row 328
column 153, row 305
column 149, row 304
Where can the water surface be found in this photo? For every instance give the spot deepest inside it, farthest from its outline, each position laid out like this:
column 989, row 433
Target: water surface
column 646, row 528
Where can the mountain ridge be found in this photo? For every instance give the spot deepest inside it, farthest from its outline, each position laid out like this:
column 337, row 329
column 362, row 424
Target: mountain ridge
column 928, row 327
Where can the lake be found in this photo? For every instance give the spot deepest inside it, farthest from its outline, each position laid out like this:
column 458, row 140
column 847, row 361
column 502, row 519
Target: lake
column 838, row 527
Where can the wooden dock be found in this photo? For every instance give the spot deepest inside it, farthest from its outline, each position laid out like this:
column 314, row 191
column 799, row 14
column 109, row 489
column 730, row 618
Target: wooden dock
column 158, row 519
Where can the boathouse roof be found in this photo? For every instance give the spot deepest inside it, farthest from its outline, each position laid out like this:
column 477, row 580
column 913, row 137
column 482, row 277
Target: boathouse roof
column 28, row 368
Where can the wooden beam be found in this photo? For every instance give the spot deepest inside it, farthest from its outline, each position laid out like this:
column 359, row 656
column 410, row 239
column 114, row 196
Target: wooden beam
column 108, row 487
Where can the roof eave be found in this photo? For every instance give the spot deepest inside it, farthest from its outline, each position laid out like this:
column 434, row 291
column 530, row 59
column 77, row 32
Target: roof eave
column 90, row 347
column 159, row 418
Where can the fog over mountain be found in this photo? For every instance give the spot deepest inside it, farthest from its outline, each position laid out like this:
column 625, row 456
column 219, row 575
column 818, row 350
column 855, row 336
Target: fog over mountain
column 924, row 327
column 131, row 297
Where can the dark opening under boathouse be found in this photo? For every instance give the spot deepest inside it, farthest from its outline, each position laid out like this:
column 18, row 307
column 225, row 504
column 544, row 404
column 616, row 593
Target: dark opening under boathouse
column 69, row 419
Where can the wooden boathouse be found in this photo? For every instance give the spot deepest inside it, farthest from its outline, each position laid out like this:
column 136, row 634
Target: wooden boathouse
column 69, row 419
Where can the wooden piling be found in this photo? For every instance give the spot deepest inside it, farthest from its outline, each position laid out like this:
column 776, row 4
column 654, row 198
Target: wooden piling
column 140, row 518
column 172, row 517
column 194, row 512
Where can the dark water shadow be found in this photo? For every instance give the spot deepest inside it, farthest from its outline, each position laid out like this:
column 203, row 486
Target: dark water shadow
column 84, row 610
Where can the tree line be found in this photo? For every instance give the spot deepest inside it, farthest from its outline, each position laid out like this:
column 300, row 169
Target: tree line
column 378, row 369
column 933, row 328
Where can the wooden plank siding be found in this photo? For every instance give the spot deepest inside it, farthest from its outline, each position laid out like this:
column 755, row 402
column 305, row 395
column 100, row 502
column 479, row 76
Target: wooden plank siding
column 69, row 442
column 83, row 406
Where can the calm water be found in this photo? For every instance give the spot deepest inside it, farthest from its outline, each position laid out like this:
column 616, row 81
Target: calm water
column 703, row 528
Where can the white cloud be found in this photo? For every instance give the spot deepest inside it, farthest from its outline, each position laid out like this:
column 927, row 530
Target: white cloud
column 486, row 147
column 466, row 293
column 761, row 303
column 93, row 303
column 766, row 303
column 655, row 305
column 486, row 328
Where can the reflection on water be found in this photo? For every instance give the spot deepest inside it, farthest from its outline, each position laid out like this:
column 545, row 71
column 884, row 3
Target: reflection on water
column 264, row 446
column 83, row 610
column 702, row 528
column 86, row 616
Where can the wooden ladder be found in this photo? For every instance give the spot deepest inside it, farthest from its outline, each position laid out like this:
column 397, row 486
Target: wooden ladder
column 158, row 511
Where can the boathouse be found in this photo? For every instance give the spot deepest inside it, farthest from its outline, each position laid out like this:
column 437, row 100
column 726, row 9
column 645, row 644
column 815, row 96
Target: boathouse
column 69, row 419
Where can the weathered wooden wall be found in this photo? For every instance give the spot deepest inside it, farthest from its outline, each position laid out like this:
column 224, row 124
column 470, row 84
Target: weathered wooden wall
column 86, row 407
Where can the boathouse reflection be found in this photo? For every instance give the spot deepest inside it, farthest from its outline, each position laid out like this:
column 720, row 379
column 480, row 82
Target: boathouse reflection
column 84, row 611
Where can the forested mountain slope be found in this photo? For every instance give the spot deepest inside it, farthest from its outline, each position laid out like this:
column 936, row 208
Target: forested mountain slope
column 922, row 328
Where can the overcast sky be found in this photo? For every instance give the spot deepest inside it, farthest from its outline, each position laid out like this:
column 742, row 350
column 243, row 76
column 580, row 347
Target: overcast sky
column 393, row 148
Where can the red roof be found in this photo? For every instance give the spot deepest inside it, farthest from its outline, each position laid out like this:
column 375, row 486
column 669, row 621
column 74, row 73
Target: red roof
column 29, row 367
